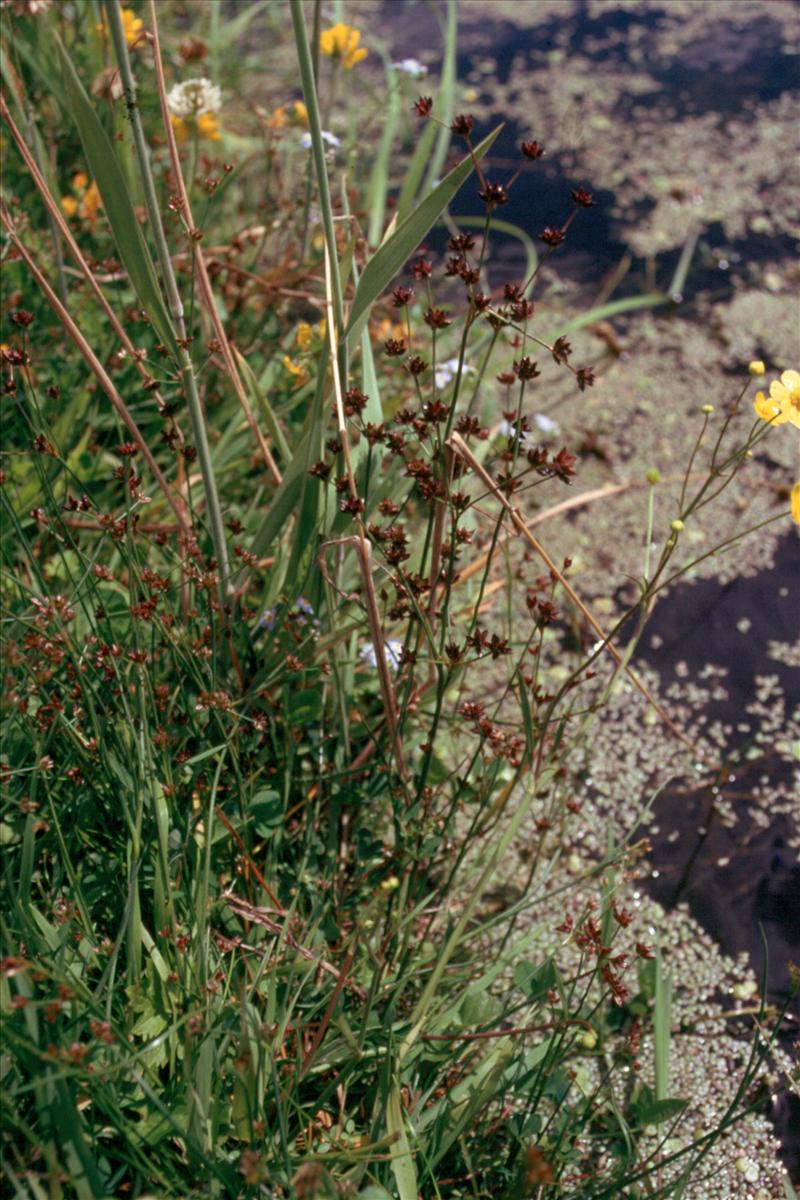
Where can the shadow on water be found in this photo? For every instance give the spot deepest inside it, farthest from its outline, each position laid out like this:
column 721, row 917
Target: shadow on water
column 741, row 883
column 733, row 65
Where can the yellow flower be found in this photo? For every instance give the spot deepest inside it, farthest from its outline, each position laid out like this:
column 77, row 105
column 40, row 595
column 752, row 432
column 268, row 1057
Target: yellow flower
column 207, row 127
column 278, row 119
column 91, row 202
column 756, row 367
column 301, row 112
column 787, row 394
column 303, row 335
column 132, row 25
column 296, row 370
column 795, row 502
column 87, row 199
column 783, row 402
column 341, row 41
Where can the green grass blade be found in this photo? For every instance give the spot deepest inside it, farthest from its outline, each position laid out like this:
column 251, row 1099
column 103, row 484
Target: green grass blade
column 379, row 179
column 387, row 261
column 104, row 166
column 662, row 1023
column 445, row 98
column 403, row 1166
column 256, row 393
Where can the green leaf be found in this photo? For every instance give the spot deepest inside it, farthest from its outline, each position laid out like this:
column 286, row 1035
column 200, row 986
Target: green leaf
column 536, row 981
column 403, row 1167
column 104, row 166
column 266, row 809
column 396, row 250
column 659, row 1111
column 479, row 1008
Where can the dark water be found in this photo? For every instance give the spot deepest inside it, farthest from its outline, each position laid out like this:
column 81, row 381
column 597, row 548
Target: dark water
column 727, row 75
column 742, row 884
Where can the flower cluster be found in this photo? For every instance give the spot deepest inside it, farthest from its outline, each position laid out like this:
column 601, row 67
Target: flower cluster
column 195, row 101
column 341, row 42
column 781, row 405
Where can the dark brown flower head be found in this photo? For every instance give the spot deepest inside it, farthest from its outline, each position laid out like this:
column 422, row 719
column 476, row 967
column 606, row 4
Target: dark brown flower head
column 563, row 465
column 389, row 508
column 532, row 150
column 127, row 449
column 21, row 317
column 526, row 368
column 193, row 49
column 512, row 291
column 455, row 265
column 416, row 365
column 481, row 302
column 320, row 469
column 394, row 347
column 506, row 377
column 462, row 125
column 493, row 194
column 437, row 318
column 423, row 106
column 355, row 401
column 355, row 506
column 581, row 198
column 585, row 377
column 522, row 309
column 422, row 269
column 401, row 296
column 551, row 237
column 561, row 351
column 461, row 243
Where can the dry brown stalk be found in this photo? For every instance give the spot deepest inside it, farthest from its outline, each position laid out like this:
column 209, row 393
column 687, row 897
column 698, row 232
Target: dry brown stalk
column 95, row 366
column 464, row 452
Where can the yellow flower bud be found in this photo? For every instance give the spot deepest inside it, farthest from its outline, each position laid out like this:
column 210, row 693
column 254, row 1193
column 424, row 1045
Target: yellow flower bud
column 707, row 409
column 677, row 526
column 756, row 367
column 654, row 475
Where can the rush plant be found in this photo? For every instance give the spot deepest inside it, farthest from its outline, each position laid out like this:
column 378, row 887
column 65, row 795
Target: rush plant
column 288, row 664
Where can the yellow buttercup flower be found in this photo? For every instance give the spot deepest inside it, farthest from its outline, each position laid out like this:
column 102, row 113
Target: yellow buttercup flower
column 207, row 127
column 303, row 336
column 341, row 41
column 296, row 370
column 795, row 502
column 301, row 112
column 783, row 402
column 87, row 200
column 131, row 24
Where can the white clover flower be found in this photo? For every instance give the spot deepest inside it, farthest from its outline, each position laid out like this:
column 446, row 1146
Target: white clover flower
column 446, row 372
column 330, row 139
column 391, row 652
column 194, row 97
column 412, row 67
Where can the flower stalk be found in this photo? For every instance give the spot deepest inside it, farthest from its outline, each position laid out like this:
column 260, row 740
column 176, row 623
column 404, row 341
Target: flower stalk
column 186, row 365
